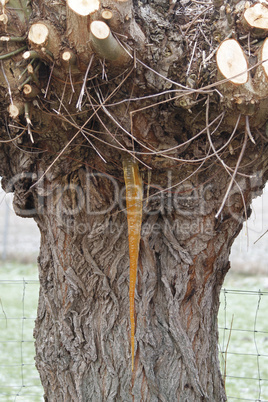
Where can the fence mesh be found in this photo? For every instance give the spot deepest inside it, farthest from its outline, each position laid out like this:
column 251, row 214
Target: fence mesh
column 19, row 379
column 243, row 343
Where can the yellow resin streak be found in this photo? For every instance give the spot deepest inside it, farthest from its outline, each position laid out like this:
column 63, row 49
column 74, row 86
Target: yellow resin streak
column 133, row 184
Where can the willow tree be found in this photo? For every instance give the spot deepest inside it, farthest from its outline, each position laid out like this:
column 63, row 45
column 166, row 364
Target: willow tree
column 135, row 135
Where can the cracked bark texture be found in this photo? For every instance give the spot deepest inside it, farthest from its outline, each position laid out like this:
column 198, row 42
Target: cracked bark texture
column 82, row 328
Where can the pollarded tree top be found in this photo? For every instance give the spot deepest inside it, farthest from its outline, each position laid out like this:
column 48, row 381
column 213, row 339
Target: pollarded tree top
column 107, row 45
column 232, row 62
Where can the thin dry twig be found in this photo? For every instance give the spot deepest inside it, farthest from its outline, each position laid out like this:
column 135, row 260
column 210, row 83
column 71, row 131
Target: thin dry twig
column 233, row 178
column 78, row 132
column 191, row 23
column 82, row 92
column 49, row 79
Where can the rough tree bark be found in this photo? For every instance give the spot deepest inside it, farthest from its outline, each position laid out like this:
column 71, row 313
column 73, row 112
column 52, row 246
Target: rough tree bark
column 83, row 84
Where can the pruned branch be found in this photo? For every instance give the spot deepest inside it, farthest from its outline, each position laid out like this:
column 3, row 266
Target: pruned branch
column 13, row 53
column 264, row 58
column 30, row 91
column 68, row 57
column 78, row 27
column 84, row 7
column 105, row 43
column 255, row 20
column 242, row 92
column 44, row 38
column 232, row 62
column 120, row 15
column 107, row 15
column 261, row 75
column 38, row 34
column 15, row 110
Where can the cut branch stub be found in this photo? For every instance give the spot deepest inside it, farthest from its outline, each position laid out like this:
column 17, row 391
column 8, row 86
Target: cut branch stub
column 27, row 89
column 105, row 44
column 264, row 57
column 261, row 75
column 123, row 20
column 68, row 57
column 30, row 54
column 30, row 91
column 38, row 34
column 84, row 7
column 107, row 15
column 117, row 21
column 255, row 20
column 232, row 62
column 15, row 110
column 44, row 35
column 78, row 16
column 69, row 61
column 238, row 92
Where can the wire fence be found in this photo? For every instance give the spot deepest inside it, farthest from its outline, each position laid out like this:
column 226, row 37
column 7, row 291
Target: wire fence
column 243, row 343
column 19, row 379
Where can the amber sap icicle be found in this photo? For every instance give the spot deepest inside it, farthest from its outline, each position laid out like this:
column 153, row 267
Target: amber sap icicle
column 133, row 184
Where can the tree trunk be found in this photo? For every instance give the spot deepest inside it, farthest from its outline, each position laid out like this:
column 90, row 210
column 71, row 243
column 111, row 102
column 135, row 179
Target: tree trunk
column 147, row 87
